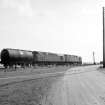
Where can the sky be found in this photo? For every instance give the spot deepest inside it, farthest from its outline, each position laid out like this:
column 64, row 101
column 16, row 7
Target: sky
column 60, row 26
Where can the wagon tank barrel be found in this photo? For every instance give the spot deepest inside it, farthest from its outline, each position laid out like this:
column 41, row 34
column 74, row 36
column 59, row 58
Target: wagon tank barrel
column 15, row 55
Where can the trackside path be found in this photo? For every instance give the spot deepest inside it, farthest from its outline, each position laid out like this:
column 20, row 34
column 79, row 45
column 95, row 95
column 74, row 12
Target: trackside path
column 85, row 88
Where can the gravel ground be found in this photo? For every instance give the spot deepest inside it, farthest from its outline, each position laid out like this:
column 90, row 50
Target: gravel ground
column 77, row 86
column 32, row 92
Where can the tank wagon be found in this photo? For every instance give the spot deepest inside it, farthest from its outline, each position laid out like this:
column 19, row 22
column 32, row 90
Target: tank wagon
column 14, row 57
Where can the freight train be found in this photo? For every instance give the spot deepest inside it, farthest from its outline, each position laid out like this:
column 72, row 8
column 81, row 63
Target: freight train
column 23, row 58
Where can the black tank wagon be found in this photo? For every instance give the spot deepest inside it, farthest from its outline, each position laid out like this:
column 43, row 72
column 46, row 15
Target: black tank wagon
column 10, row 57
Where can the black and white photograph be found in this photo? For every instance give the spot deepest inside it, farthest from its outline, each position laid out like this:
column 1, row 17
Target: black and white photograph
column 52, row 52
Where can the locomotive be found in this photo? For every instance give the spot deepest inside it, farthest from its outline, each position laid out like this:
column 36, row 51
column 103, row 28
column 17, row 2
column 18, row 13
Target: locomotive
column 14, row 57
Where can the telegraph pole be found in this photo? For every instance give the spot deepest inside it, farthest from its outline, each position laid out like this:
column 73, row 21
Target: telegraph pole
column 103, row 38
column 94, row 58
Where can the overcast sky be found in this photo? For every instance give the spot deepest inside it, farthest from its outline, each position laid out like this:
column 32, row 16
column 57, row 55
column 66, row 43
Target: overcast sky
column 59, row 26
